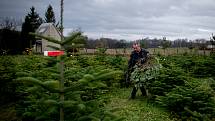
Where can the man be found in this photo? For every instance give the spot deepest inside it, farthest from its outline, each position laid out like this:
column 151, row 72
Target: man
column 140, row 55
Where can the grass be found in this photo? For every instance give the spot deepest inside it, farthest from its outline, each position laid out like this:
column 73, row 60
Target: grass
column 138, row 109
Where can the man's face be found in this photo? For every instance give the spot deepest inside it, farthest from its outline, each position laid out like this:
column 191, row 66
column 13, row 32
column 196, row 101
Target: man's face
column 136, row 48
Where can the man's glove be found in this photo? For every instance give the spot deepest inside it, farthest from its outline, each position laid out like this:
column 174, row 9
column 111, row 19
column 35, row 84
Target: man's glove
column 143, row 60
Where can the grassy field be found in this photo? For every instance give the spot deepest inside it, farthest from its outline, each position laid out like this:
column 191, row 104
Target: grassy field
column 138, row 109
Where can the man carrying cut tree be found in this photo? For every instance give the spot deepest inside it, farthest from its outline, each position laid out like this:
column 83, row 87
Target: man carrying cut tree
column 140, row 56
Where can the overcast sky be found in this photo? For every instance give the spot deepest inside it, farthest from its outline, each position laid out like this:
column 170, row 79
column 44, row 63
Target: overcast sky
column 126, row 19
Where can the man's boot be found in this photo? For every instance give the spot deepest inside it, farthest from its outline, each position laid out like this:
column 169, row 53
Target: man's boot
column 133, row 93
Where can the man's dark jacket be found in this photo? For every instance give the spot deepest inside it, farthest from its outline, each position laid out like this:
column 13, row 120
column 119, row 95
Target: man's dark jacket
column 135, row 56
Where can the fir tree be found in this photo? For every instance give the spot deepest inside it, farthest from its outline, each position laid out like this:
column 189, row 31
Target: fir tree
column 58, row 95
column 49, row 15
column 62, row 90
column 32, row 22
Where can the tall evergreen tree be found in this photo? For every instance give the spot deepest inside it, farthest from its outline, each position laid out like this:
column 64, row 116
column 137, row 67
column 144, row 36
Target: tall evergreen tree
column 49, row 15
column 32, row 22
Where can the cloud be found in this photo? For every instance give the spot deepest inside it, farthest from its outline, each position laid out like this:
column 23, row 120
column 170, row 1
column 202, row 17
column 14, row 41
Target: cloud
column 127, row 19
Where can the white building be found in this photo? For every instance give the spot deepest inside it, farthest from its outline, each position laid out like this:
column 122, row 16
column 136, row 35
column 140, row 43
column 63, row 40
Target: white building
column 49, row 30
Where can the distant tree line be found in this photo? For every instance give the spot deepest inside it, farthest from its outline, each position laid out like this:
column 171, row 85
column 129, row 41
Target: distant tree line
column 146, row 43
column 9, row 36
column 107, row 43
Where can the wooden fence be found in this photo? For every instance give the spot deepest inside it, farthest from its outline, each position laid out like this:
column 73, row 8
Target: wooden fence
column 153, row 51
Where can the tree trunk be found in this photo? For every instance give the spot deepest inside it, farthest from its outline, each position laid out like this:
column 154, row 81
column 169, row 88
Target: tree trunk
column 62, row 90
column 61, row 67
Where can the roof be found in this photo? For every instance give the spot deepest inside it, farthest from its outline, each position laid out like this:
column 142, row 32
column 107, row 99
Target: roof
column 45, row 27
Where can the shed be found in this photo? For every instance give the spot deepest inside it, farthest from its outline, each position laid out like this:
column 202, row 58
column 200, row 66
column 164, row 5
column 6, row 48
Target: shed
column 49, row 30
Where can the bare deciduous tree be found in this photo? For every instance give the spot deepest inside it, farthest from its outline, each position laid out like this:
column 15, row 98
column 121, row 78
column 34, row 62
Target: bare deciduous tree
column 10, row 23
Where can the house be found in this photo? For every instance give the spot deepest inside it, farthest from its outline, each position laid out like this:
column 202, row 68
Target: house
column 49, row 30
